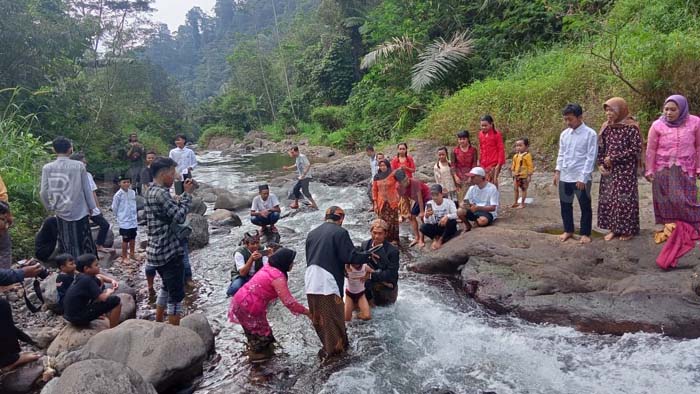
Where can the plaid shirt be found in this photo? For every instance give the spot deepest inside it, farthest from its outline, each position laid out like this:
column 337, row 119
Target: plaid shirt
column 161, row 211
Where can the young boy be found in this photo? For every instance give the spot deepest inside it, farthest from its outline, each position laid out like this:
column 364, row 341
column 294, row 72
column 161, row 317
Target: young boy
column 355, row 297
column 522, row 169
column 303, row 165
column 146, row 177
column 66, row 267
column 124, row 207
column 248, row 259
column 186, row 161
column 85, row 301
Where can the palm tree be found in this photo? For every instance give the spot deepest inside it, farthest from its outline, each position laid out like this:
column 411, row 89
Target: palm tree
column 436, row 60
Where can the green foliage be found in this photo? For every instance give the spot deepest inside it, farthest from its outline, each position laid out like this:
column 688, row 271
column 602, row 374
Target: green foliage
column 335, row 74
column 332, row 118
column 218, row 131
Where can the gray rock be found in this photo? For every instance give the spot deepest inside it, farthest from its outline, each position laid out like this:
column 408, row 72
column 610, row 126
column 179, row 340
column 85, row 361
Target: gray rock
column 224, row 218
column 72, row 338
column 198, row 323
column 126, row 289
column 128, row 310
column 109, row 240
column 227, row 200
column 49, row 291
column 22, row 379
column 200, row 231
column 164, row 355
column 99, row 377
column 66, row 359
column 208, row 197
column 198, row 207
column 44, row 336
column 140, row 203
column 106, row 259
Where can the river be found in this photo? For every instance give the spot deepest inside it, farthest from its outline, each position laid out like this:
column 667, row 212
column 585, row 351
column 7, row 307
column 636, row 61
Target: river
column 433, row 340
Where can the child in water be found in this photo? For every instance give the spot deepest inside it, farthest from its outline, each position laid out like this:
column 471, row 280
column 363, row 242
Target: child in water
column 522, row 170
column 355, row 297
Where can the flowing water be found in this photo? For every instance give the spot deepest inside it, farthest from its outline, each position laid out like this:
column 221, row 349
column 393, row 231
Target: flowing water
column 432, row 340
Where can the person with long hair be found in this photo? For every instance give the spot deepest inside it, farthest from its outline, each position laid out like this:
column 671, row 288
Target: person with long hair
column 385, row 195
column 464, row 158
column 403, row 161
column 444, row 173
column 673, row 163
column 619, row 147
column 492, row 152
column 249, row 306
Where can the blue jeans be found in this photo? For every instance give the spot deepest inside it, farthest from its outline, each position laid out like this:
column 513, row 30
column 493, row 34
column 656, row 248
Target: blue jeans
column 236, row 285
column 186, row 259
column 271, row 219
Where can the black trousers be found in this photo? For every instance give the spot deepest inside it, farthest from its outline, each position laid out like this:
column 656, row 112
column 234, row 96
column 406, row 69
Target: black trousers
column 104, row 227
column 435, row 230
column 567, row 191
column 9, row 336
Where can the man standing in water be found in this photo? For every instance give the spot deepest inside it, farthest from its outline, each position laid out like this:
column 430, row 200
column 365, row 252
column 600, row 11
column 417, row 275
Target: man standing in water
column 382, row 287
column 303, row 165
column 578, row 147
column 328, row 249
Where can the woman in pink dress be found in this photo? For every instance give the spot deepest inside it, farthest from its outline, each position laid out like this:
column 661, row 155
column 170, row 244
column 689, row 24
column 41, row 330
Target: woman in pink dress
column 249, row 306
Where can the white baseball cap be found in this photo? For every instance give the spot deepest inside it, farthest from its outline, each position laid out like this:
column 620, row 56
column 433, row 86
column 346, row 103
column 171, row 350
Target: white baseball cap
column 477, row 171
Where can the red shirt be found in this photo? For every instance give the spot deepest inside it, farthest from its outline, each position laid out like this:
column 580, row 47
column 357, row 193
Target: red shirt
column 491, row 149
column 463, row 162
column 396, row 164
column 414, row 188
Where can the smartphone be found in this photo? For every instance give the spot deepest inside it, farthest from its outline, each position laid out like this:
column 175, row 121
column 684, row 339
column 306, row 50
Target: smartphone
column 179, row 187
column 375, row 248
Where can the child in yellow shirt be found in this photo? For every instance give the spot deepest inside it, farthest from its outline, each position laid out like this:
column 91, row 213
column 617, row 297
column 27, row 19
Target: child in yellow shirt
column 522, row 169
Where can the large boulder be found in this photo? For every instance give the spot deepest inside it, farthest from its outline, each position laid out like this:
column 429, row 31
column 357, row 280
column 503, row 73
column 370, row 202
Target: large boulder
column 109, row 240
column 224, row 218
column 164, row 355
column 50, row 291
column 72, row 337
column 43, row 336
column 200, row 231
column 198, row 323
column 22, row 379
column 128, row 304
column 99, row 377
column 207, row 196
column 198, row 206
column 227, row 200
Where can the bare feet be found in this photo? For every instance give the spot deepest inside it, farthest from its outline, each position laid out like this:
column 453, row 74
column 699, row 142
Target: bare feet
column 515, row 205
column 565, row 237
column 520, row 206
column 414, row 243
column 609, row 236
column 314, row 206
column 585, row 240
column 294, row 206
column 626, row 237
column 421, row 245
column 436, row 245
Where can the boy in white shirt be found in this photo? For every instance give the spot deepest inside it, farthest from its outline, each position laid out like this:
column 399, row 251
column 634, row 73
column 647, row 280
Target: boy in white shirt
column 481, row 202
column 124, row 208
column 265, row 210
column 440, row 219
column 185, row 159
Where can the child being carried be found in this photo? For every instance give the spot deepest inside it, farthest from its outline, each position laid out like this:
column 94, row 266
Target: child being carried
column 355, row 297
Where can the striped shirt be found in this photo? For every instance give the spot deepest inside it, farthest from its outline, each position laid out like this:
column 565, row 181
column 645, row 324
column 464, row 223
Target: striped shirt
column 161, row 211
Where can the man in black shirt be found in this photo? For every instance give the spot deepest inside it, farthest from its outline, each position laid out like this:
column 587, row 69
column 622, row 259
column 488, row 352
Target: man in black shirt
column 85, row 301
column 382, row 286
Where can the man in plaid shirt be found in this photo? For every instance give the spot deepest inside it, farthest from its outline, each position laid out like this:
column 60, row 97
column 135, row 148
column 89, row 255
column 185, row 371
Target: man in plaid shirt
column 165, row 252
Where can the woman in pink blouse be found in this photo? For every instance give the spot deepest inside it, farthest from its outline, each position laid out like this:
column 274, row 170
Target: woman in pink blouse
column 249, row 306
column 673, row 163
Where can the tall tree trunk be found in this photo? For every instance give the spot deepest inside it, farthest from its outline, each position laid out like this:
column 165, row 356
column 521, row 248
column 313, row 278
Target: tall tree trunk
column 262, row 73
column 284, row 62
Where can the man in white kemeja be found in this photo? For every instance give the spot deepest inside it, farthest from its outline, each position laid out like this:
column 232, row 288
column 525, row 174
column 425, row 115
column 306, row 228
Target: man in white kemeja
column 440, row 219
column 265, row 210
column 578, row 147
column 480, row 204
column 184, row 157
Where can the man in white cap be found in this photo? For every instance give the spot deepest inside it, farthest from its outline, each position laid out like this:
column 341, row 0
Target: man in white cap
column 481, row 202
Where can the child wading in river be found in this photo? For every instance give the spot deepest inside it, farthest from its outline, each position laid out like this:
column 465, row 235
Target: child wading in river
column 355, row 291
column 522, row 169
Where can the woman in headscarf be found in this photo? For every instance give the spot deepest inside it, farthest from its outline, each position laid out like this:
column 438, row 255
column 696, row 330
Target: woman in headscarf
column 619, row 147
column 249, row 306
column 385, row 194
column 673, row 163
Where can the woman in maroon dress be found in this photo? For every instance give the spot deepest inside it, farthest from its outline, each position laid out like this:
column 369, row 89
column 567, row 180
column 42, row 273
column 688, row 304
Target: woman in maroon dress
column 619, row 147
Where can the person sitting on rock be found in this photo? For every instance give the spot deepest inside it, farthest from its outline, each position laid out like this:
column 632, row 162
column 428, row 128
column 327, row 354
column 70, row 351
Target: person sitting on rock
column 265, row 210
column 480, row 205
column 248, row 260
column 440, row 220
column 85, row 301
column 66, row 275
column 249, row 306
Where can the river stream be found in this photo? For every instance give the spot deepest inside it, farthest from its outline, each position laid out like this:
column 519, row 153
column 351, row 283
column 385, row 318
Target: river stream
column 433, row 340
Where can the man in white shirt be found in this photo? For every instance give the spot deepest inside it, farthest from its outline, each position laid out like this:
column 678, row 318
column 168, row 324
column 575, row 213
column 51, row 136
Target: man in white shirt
column 184, row 157
column 440, row 219
column 265, row 210
column 481, row 201
column 578, row 147
column 301, row 188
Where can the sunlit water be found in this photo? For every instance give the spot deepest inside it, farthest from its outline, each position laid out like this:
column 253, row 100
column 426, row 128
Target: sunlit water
column 432, row 339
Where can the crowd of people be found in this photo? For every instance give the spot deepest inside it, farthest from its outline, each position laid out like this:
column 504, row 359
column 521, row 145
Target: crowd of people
column 341, row 278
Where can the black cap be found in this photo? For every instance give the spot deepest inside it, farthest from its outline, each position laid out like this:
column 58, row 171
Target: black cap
column 124, row 178
column 436, row 189
column 263, row 187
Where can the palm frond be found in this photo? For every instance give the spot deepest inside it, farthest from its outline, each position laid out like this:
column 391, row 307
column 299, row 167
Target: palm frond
column 397, row 45
column 439, row 58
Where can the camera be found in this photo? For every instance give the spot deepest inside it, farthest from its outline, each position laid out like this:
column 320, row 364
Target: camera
column 27, row 263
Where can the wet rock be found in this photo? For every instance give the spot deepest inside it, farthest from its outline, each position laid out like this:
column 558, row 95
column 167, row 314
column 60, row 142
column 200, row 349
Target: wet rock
column 200, row 231
column 224, row 218
column 610, row 288
column 72, row 337
column 163, row 355
column 23, row 379
column 128, row 310
column 198, row 207
column 198, row 323
column 99, row 376
column 227, row 200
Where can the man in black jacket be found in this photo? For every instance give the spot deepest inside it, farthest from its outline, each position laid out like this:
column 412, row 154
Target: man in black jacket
column 382, row 286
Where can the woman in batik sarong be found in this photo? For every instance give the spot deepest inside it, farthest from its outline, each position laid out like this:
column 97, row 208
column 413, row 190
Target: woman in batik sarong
column 385, row 194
